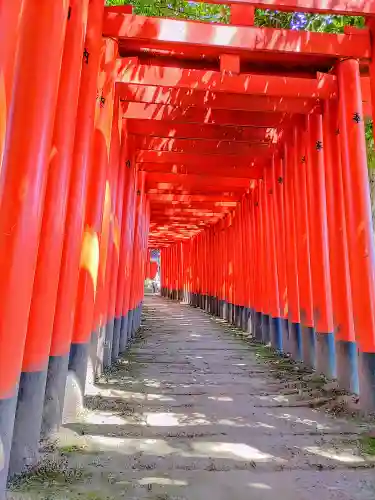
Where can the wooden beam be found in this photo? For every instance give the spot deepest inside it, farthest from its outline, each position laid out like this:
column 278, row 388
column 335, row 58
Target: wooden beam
column 190, row 131
column 197, row 181
column 179, row 216
column 201, row 146
column 239, row 39
column 202, row 171
column 208, row 161
column 202, row 205
column 151, row 94
column 322, row 87
column 166, row 235
column 170, row 189
column 198, row 212
column 203, row 214
column 166, row 225
column 196, row 190
column 218, row 200
column 161, row 112
column 186, row 223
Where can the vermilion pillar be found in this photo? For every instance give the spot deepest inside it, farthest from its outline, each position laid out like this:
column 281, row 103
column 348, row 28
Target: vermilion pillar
column 279, row 215
column 116, row 255
column 217, row 252
column 198, row 279
column 274, row 305
column 319, row 253
column 246, row 252
column 186, row 272
column 214, row 249
column 177, row 265
column 207, row 265
column 24, row 173
column 181, row 263
column 240, row 267
column 128, row 241
column 203, row 270
column 35, row 361
column 222, row 269
column 162, row 270
column 134, row 305
column 170, row 271
column 211, row 269
column 68, row 279
column 358, row 223
column 127, row 228
column 294, row 320
column 142, row 274
column 115, row 181
column 346, row 347
column 254, row 254
column 248, row 261
column 230, row 261
column 264, row 259
column 195, row 272
column 88, row 319
column 10, row 18
column 166, row 270
column 174, row 250
column 303, row 243
column 257, row 315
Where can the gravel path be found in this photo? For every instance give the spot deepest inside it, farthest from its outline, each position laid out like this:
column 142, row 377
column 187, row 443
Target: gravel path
column 196, row 412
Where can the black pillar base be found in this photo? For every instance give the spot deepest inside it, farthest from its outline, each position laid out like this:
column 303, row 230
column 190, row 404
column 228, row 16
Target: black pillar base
column 130, row 326
column 347, row 365
column 116, row 339
column 276, row 333
column 224, row 310
column 258, row 326
column 308, row 346
column 266, row 332
column 28, row 422
column 7, row 414
column 55, row 393
column 367, row 380
column 326, row 354
column 295, row 341
column 124, row 333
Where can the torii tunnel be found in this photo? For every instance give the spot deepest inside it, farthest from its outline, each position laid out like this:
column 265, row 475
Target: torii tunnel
column 238, row 151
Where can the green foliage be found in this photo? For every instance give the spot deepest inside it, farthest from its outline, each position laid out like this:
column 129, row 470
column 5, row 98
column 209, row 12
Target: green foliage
column 177, row 8
column 370, row 145
column 308, row 22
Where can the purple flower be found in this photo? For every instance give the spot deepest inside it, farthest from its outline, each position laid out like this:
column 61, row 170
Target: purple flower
column 298, row 21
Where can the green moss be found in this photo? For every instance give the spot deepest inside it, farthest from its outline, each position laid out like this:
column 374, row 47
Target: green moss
column 48, row 474
column 71, row 449
column 368, row 445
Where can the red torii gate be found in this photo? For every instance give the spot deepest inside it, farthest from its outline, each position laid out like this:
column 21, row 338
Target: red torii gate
column 237, row 150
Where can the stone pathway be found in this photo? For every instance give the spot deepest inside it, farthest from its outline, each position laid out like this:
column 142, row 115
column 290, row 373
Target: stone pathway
column 194, row 413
